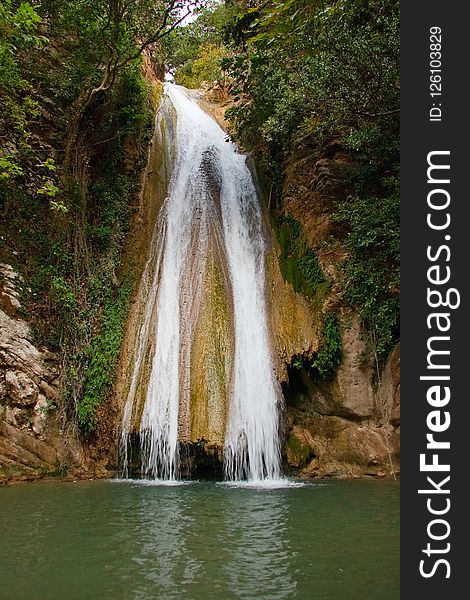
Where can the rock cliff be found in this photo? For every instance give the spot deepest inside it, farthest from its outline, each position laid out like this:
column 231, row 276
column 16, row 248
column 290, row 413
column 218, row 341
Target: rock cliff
column 34, row 439
column 348, row 425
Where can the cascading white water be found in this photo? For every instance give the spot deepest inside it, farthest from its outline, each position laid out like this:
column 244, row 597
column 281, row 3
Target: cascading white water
column 204, row 159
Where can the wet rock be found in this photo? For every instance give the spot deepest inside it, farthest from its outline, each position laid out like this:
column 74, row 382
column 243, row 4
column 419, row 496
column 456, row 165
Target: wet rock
column 350, row 424
column 336, row 446
column 350, row 394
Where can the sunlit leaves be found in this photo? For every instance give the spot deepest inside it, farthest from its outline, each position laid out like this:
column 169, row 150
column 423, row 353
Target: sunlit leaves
column 9, row 168
column 206, row 67
column 18, row 33
column 196, row 52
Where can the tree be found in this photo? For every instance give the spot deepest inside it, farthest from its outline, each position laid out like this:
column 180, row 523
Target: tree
column 113, row 33
column 125, row 22
column 183, row 45
column 205, row 67
column 18, row 32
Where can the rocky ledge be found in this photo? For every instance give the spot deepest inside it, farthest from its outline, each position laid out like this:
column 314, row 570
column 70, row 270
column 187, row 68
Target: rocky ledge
column 349, row 426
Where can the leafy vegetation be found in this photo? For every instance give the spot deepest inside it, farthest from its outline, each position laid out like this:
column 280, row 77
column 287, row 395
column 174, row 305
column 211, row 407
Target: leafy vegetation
column 310, row 70
column 193, row 53
column 371, row 271
column 108, row 35
column 330, row 354
column 102, row 355
column 303, row 75
column 19, row 34
column 328, row 358
column 205, row 67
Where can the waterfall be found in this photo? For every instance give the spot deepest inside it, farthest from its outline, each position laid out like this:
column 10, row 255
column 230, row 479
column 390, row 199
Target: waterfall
column 211, row 207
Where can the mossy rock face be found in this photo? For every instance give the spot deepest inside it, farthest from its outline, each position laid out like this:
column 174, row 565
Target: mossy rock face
column 293, row 322
column 212, row 358
column 299, row 263
column 298, row 453
column 155, row 93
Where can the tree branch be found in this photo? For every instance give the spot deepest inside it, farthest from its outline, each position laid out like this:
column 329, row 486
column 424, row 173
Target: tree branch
column 117, row 10
column 381, row 114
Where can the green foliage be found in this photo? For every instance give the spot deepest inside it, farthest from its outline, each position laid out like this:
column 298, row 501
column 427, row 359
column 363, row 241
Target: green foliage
column 299, row 452
column 372, row 269
column 311, row 270
column 48, row 407
column 19, row 22
column 194, row 53
column 131, row 97
column 329, row 356
column 18, row 35
column 104, row 36
column 62, row 294
column 102, row 312
column 70, row 231
column 18, row 31
column 309, row 70
column 205, row 67
column 9, row 168
column 101, row 357
column 184, row 44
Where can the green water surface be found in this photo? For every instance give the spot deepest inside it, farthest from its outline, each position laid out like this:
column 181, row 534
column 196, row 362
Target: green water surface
column 107, row 540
